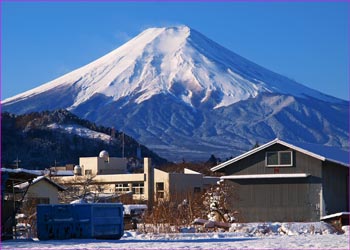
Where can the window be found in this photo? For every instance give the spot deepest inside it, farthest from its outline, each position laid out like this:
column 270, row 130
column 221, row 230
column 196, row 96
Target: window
column 285, row 158
column 160, row 189
column 279, row 158
column 197, row 189
column 137, row 188
column 122, row 188
column 88, row 172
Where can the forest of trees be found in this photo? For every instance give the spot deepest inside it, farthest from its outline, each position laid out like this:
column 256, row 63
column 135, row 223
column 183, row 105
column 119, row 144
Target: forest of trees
column 28, row 139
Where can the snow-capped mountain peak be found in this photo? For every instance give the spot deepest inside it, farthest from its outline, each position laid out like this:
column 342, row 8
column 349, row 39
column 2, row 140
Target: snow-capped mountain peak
column 175, row 60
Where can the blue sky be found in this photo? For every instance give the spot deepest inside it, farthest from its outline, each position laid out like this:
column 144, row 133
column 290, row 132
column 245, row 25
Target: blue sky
column 305, row 41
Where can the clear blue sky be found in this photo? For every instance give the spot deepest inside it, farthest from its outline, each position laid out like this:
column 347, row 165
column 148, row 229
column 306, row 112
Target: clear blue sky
column 307, row 42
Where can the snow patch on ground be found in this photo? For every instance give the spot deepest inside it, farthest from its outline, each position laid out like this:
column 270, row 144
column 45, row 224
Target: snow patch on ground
column 260, row 229
column 346, row 229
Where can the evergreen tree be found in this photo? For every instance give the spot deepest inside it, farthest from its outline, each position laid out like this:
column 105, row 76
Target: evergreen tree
column 256, row 145
column 213, row 160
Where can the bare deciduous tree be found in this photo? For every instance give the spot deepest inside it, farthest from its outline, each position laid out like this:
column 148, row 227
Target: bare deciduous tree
column 79, row 188
column 170, row 215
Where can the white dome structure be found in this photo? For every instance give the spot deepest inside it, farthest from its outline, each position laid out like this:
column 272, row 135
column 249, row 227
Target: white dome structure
column 77, row 170
column 104, row 154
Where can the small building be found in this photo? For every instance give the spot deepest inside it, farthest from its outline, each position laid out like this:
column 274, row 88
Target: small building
column 41, row 190
column 281, row 181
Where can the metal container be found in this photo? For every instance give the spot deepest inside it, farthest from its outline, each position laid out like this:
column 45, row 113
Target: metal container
column 90, row 220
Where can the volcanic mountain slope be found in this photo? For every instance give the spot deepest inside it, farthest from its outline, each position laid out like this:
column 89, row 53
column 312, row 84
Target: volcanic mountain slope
column 185, row 96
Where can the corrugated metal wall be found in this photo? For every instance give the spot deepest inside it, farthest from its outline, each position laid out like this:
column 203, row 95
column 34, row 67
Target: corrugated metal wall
column 277, row 200
column 335, row 188
column 291, row 199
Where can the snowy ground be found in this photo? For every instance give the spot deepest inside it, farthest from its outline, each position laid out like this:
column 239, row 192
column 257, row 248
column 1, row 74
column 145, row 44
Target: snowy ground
column 317, row 235
column 191, row 241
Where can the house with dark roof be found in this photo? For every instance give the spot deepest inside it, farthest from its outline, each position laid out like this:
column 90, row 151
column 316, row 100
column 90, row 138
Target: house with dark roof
column 283, row 181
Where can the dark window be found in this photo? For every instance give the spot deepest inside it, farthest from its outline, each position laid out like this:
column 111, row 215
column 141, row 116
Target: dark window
column 160, row 189
column 272, row 158
column 279, row 158
column 138, row 188
column 160, row 186
column 122, row 187
column 285, row 158
column 88, row 172
column 197, row 189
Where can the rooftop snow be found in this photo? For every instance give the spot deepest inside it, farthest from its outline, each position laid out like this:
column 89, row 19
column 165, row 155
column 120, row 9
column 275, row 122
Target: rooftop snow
column 37, row 179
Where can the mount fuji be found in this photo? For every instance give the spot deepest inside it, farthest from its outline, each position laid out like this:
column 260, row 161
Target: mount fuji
column 185, row 96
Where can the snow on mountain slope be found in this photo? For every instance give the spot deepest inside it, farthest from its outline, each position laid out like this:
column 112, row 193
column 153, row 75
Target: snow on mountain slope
column 176, row 131
column 178, row 61
column 80, row 131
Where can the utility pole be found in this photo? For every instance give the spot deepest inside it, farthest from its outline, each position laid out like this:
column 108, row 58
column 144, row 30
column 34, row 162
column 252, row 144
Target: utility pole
column 123, row 146
column 17, row 161
column 112, row 136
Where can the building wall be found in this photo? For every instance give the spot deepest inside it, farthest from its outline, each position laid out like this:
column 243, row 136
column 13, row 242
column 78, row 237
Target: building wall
column 119, row 178
column 209, row 181
column 284, row 199
column 180, row 185
column 113, row 166
column 161, row 177
column 88, row 163
column 335, row 188
column 43, row 189
column 100, row 166
column 274, row 200
column 149, row 180
column 185, row 183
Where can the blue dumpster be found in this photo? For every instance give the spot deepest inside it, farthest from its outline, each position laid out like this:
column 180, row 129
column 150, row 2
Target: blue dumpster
column 90, row 220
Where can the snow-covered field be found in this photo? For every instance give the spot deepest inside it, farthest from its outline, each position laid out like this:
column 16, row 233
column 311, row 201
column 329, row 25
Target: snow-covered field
column 191, row 241
column 248, row 236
